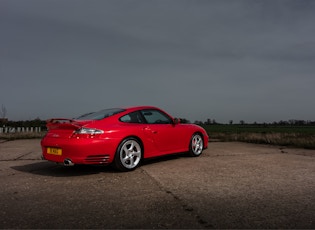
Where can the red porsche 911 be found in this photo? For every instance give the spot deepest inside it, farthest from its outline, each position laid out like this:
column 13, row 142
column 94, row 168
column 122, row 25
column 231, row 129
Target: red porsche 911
column 121, row 136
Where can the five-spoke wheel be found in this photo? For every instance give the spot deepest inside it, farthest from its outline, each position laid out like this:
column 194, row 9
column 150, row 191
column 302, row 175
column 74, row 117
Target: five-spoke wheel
column 128, row 154
column 196, row 145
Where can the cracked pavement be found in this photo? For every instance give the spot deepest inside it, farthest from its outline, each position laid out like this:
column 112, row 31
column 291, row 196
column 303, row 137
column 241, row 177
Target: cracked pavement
column 231, row 185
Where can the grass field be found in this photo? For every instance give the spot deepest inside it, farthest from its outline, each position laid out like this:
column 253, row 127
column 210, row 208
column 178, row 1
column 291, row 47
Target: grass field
column 295, row 136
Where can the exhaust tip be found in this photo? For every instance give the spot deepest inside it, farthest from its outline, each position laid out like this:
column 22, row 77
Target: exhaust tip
column 68, row 162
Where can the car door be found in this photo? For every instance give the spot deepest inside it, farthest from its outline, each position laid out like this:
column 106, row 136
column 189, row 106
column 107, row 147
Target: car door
column 161, row 129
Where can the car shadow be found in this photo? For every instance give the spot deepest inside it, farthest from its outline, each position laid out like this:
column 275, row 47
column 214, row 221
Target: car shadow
column 159, row 159
column 46, row 168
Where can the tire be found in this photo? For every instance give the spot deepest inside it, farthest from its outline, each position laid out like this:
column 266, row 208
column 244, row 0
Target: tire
column 196, row 145
column 128, row 155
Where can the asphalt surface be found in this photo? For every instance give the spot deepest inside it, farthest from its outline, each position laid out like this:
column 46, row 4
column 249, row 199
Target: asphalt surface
column 232, row 185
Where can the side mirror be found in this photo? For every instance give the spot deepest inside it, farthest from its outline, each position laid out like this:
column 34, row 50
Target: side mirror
column 176, row 121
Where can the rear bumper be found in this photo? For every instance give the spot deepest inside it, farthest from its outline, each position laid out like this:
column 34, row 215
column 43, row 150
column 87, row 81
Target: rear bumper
column 80, row 151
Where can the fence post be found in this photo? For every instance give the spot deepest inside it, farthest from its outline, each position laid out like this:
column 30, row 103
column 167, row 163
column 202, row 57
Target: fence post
column 20, row 129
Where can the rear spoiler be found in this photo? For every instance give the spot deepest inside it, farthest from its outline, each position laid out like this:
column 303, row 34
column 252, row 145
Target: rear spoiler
column 62, row 123
column 59, row 120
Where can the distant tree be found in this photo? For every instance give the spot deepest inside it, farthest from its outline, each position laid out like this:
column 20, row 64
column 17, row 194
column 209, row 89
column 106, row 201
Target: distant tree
column 231, row 122
column 36, row 122
column 242, row 122
column 208, row 122
column 301, row 122
column 198, row 123
column 184, row 121
column 283, row 122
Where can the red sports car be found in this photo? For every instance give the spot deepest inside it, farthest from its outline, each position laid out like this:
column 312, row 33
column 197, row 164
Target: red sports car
column 122, row 136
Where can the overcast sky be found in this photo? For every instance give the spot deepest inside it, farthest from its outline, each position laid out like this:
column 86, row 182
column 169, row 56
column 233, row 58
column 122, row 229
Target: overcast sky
column 251, row 60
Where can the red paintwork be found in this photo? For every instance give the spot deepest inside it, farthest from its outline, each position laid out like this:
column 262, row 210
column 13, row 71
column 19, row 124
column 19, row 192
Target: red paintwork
column 156, row 139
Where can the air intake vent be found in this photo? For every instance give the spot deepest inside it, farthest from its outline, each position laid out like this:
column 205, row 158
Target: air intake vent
column 97, row 159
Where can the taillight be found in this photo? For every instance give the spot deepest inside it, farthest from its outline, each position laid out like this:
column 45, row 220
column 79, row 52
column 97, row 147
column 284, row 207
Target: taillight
column 87, row 132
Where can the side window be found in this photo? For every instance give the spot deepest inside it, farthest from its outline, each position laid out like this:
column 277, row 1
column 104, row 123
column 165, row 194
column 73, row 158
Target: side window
column 134, row 117
column 156, row 117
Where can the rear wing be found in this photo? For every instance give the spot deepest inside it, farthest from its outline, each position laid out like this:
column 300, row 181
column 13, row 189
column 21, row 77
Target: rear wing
column 62, row 123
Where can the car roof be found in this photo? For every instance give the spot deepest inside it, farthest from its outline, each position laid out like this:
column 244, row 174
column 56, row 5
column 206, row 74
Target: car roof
column 140, row 107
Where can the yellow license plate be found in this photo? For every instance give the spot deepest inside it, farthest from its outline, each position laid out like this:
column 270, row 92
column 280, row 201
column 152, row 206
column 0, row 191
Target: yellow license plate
column 54, row 151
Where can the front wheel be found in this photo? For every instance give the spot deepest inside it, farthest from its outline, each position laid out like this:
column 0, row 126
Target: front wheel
column 128, row 155
column 196, row 145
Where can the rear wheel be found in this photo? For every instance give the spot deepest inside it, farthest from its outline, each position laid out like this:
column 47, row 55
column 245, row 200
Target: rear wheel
column 128, row 155
column 196, row 145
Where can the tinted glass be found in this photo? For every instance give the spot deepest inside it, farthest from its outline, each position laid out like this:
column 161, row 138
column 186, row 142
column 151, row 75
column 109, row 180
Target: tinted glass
column 134, row 117
column 100, row 114
column 156, row 117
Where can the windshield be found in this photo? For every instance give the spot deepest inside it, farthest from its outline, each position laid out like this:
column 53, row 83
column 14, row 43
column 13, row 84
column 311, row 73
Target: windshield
column 100, row 114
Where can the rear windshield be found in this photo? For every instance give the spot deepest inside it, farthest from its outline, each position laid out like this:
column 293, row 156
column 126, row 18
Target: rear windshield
column 100, row 114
